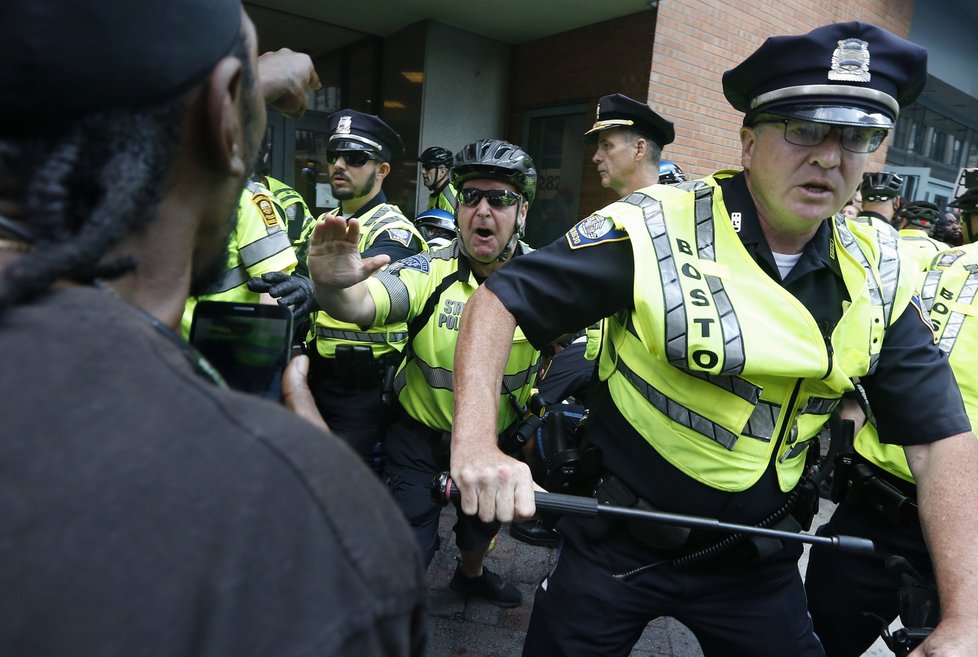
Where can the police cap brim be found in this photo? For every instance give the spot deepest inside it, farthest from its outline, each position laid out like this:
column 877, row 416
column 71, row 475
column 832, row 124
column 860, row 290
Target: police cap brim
column 833, row 114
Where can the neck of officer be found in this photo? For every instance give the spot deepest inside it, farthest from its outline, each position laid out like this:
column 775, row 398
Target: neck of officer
column 643, row 176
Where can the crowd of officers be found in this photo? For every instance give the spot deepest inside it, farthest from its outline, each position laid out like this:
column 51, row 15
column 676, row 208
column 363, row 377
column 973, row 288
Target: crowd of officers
column 734, row 317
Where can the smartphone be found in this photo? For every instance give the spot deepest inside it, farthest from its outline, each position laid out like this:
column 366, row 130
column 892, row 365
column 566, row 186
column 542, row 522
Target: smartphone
column 248, row 343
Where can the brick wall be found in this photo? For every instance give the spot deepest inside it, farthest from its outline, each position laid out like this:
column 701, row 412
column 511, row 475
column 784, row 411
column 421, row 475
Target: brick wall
column 697, row 40
column 580, row 66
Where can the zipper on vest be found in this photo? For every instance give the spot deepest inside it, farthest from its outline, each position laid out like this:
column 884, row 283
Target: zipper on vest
column 790, row 408
column 826, row 331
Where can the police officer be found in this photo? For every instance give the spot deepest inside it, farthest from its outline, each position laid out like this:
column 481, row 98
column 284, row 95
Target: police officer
column 437, row 227
column 628, row 137
column 436, row 166
column 915, row 221
column 349, row 364
column 880, row 191
column 852, row 598
column 741, row 306
column 259, row 245
column 496, row 182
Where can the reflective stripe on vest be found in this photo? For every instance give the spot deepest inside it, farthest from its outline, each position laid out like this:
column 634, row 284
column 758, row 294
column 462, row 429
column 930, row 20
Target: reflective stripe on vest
column 264, row 248
column 358, row 336
column 232, row 278
column 729, row 338
column 959, row 310
column 440, row 378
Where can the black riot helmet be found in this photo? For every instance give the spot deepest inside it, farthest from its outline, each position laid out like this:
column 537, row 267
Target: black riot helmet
column 436, row 223
column 880, row 186
column 670, row 173
column 497, row 160
column 436, row 156
column 921, row 214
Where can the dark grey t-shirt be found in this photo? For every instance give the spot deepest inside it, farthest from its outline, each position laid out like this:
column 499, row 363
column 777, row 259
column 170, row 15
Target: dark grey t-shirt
column 144, row 511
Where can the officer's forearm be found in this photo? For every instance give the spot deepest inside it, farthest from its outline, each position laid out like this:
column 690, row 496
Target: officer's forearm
column 482, row 349
column 348, row 304
column 947, row 492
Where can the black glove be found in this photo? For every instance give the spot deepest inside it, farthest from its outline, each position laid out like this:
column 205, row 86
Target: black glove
column 290, row 290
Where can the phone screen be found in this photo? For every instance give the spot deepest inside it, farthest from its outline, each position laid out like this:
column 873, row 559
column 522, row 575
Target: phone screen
column 248, row 343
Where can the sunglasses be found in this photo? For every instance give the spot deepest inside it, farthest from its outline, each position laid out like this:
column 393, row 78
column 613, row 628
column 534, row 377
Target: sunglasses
column 808, row 133
column 497, row 198
column 352, row 158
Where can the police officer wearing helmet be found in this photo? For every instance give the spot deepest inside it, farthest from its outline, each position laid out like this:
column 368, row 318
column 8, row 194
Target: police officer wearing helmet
column 437, row 227
column 436, row 167
column 880, row 191
column 628, row 137
column 496, row 182
column 852, row 597
column 349, row 364
column 916, row 221
column 670, row 173
column 741, row 306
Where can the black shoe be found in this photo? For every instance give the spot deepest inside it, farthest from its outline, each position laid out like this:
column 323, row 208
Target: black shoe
column 536, row 531
column 488, row 586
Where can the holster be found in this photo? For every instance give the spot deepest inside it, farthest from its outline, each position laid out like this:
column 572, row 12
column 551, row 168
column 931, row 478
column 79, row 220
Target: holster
column 570, row 464
column 860, row 484
column 612, row 490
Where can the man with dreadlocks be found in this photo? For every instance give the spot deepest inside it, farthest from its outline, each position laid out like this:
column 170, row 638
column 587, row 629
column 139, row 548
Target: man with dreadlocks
column 144, row 508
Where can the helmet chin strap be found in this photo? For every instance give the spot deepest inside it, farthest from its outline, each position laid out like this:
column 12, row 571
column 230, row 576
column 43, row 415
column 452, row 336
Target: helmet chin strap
column 518, row 232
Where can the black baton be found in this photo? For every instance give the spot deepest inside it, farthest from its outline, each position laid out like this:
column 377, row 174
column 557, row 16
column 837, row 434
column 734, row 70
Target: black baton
column 444, row 490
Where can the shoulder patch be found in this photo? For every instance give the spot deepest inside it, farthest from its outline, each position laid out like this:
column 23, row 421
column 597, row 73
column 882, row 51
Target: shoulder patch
column 594, row 230
column 921, row 311
column 264, row 204
column 400, row 235
column 416, row 262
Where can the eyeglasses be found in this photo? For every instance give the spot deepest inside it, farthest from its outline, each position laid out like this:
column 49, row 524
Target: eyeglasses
column 352, row 158
column 497, row 198
column 808, row 133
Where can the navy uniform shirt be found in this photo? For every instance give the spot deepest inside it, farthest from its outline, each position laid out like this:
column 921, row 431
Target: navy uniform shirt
column 559, row 290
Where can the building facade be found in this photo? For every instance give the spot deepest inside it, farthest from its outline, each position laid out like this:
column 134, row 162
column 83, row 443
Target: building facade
column 447, row 74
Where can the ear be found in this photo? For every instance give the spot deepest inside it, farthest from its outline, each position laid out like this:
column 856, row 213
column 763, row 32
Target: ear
column 641, row 149
column 224, row 99
column 383, row 168
column 748, row 138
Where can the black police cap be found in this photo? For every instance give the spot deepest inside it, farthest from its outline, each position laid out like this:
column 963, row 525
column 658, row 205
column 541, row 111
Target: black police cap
column 351, row 130
column 61, row 59
column 620, row 111
column 845, row 73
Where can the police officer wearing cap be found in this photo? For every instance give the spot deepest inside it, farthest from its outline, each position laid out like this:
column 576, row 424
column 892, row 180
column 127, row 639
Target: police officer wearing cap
column 741, row 306
column 628, row 137
column 349, row 364
column 436, row 167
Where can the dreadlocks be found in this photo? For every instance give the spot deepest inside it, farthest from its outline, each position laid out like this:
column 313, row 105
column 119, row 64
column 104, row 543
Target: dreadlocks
column 85, row 185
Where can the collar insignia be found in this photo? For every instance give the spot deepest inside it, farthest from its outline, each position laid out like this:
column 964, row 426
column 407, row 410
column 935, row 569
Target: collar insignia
column 850, row 61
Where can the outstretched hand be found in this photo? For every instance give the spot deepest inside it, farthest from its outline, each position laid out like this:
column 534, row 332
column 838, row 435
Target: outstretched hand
column 334, row 260
column 289, row 290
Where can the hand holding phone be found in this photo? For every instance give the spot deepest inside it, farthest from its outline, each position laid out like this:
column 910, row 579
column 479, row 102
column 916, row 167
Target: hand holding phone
column 248, row 343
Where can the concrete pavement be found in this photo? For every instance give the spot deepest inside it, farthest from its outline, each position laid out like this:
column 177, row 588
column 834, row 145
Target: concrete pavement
column 480, row 629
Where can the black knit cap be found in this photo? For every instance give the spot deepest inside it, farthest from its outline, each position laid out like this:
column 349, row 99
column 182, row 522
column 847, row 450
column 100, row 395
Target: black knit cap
column 351, row 130
column 65, row 58
column 620, row 111
column 845, row 73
